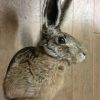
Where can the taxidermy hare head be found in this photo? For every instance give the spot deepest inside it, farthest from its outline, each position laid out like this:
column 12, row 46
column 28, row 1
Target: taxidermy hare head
column 55, row 42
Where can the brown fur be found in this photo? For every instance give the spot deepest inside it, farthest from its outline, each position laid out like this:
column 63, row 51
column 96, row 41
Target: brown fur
column 34, row 79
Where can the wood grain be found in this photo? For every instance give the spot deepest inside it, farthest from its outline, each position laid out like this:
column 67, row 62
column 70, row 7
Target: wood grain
column 96, row 67
column 97, row 16
column 82, row 30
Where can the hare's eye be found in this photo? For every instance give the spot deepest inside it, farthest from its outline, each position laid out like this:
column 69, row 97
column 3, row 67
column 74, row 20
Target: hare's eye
column 61, row 40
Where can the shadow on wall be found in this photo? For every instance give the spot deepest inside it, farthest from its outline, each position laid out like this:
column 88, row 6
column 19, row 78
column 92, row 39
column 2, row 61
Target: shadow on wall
column 8, row 27
column 26, row 38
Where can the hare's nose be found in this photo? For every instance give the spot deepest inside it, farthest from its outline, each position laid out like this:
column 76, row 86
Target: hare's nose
column 81, row 57
column 84, row 54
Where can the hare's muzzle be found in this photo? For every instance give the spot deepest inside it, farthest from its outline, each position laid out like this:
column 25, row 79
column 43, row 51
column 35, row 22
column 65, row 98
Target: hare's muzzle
column 81, row 57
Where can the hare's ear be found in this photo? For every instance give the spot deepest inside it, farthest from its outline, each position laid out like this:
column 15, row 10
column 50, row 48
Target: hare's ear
column 64, row 7
column 52, row 12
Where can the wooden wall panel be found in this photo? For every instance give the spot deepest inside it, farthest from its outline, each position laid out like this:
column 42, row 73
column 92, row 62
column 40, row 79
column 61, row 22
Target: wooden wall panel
column 96, row 67
column 97, row 16
column 82, row 30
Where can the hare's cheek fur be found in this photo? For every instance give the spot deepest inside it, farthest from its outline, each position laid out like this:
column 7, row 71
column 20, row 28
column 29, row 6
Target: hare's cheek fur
column 50, row 51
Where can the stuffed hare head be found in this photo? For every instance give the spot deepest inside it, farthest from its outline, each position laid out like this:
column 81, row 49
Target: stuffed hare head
column 55, row 42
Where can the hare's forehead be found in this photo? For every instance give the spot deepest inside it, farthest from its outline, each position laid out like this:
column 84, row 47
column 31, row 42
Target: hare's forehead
column 53, row 30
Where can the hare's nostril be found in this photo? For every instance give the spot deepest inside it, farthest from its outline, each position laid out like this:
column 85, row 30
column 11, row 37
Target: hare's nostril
column 81, row 57
column 84, row 54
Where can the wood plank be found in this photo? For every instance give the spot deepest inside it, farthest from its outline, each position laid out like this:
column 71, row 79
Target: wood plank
column 96, row 67
column 97, row 16
column 82, row 30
